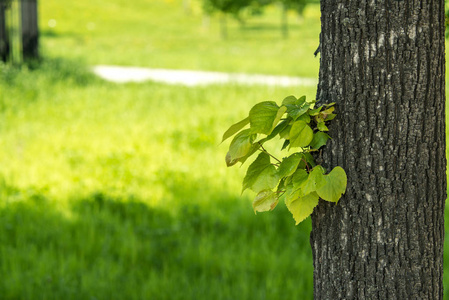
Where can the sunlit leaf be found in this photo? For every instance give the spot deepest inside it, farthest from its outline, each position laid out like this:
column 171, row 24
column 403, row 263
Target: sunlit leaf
column 264, row 116
column 302, row 207
column 301, row 134
column 288, row 165
column 314, row 181
column 335, row 185
column 265, row 200
column 254, row 148
column 240, row 145
column 322, row 127
column 289, row 100
column 261, row 174
column 304, row 117
column 299, row 178
column 235, row 128
column 296, row 107
column 314, row 112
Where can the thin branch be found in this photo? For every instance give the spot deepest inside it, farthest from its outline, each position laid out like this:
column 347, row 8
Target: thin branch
column 264, row 150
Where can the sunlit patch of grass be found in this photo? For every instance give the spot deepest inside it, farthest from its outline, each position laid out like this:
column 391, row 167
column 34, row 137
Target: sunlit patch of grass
column 160, row 34
column 121, row 192
column 79, row 139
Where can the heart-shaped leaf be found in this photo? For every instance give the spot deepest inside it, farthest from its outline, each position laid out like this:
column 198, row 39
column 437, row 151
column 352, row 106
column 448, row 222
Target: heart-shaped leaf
column 264, row 116
column 302, row 207
column 300, row 135
column 334, row 185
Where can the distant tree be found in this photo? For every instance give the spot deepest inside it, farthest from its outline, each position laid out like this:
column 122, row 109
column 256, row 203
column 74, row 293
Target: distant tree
column 30, row 31
column 286, row 5
column 4, row 35
column 225, row 7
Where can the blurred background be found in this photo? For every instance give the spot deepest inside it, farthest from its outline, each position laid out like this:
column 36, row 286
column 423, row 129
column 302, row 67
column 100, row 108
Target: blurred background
column 120, row 191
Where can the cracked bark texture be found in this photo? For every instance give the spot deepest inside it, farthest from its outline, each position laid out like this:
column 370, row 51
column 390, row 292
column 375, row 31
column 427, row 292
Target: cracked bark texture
column 383, row 63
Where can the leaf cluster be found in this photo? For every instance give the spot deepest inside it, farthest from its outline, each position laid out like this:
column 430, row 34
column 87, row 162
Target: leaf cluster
column 302, row 127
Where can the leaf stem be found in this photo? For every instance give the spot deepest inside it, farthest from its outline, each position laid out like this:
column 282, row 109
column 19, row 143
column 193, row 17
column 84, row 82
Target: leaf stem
column 307, row 165
column 264, row 150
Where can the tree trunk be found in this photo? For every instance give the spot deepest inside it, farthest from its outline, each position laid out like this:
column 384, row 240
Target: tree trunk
column 4, row 37
column 284, row 20
column 383, row 62
column 30, row 32
column 223, row 26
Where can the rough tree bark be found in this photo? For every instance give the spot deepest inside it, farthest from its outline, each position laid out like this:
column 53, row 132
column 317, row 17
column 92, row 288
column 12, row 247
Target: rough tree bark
column 383, row 62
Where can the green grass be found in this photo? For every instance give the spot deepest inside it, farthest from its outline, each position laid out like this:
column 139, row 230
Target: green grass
column 121, row 192
column 160, row 34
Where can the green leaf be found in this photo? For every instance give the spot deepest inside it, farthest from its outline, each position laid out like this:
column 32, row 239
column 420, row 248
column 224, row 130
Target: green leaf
column 261, row 174
column 254, row 148
column 235, row 128
column 310, row 160
column 229, row 161
column 314, row 181
column 296, row 108
column 302, row 207
column 285, row 145
column 314, row 112
column 265, row 200
column 330, row 117
column 335, row 185
column 301, row 100
column 295, row 184
column 299, row 177
column 264, row 116
column 240, row 145
column 288, row 165
column 328, row 111
column 285, row 132
column 301, row 134
column 277, row 130
column 322, row 127
column 289, row 100
column 305, row 118
column 319, row 140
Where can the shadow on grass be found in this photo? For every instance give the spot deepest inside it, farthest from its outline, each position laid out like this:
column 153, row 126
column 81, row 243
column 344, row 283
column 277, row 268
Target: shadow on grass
column 109, row 248
column 50, row 70
column 269, row 27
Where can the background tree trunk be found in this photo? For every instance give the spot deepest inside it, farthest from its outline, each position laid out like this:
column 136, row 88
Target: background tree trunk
column 383, row 62
column 223, row 26
column 4, row 38
column 30, row 32
column 284, row 20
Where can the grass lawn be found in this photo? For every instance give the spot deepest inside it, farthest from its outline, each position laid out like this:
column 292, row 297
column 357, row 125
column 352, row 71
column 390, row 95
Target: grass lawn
column 159, row 34
column 121, row 191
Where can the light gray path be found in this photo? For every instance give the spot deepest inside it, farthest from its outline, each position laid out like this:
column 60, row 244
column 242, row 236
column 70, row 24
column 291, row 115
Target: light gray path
column 192, row 78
